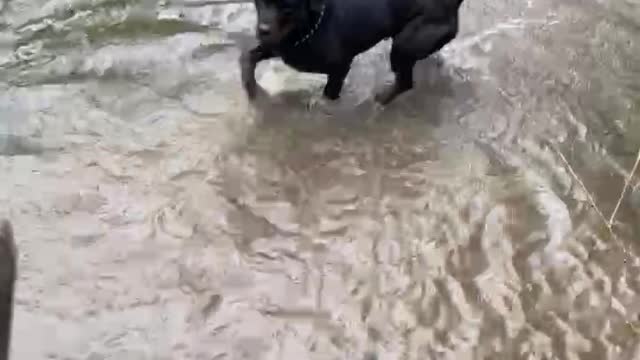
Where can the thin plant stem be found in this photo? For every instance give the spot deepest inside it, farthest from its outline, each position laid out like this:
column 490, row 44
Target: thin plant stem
column 577, row 178
column 624, row 190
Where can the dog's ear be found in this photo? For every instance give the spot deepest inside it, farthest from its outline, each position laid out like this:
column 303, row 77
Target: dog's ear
column 316, row 5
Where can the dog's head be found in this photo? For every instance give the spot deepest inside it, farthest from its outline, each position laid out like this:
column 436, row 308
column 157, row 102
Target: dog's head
column 278, row 18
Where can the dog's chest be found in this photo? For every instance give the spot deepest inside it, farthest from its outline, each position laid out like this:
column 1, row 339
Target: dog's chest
column 307, row 59
column 306, row 64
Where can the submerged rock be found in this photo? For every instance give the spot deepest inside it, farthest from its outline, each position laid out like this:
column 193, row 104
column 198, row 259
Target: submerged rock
column 14, row 145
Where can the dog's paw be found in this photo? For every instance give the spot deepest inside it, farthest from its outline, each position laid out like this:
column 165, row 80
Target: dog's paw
column 331, row 94
column 386, row 95
column 320, row 104
column 249, row 83
column 316, row 101
column 250, row 88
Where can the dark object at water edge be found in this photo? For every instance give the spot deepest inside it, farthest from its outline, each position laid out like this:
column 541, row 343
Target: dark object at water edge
column 7, row 282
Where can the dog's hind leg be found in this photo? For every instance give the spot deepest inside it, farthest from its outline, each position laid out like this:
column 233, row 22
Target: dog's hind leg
column 402, row 67
column 419, row 39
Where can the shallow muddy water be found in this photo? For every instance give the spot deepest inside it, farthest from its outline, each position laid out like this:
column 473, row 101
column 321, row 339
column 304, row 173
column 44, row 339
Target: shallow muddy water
column 160, row 216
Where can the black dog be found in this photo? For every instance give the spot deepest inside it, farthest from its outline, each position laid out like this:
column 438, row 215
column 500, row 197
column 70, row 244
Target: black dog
column 323, row 36
column 7, row 281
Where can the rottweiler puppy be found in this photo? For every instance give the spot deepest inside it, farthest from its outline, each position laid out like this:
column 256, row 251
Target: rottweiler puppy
column 7, row 281
column 324, row 36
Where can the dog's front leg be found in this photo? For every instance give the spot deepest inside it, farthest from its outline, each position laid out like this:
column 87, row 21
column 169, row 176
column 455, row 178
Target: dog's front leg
column 336, row 81
column 248, row 62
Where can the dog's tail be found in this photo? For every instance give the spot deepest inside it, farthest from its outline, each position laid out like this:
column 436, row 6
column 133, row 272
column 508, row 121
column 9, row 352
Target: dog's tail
column 8, row 255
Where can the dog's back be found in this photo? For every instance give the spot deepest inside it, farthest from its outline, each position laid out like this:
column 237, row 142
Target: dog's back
column 7, row 281
column 361, row 23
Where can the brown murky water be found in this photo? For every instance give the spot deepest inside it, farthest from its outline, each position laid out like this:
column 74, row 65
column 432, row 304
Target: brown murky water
column 159, row 216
